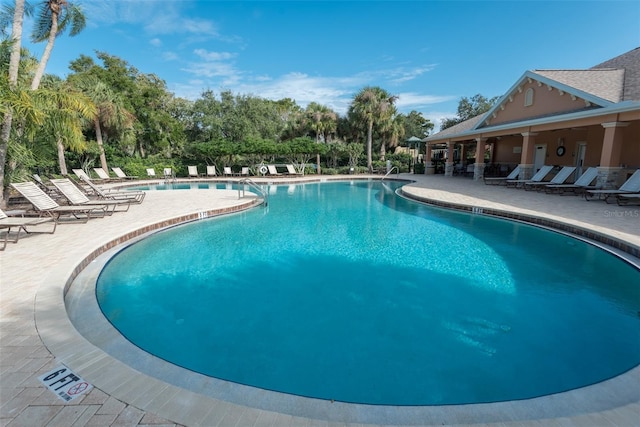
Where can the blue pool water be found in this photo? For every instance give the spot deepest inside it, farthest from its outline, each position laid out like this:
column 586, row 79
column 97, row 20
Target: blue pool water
column 346, row 291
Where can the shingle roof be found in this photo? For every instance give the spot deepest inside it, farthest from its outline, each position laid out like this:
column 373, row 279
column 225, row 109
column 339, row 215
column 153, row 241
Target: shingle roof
column 630, row 62
column 460, row 127
column 604, row 83
column 615, row 80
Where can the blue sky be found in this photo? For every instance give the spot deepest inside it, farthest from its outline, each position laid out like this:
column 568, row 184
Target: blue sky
column 428, row 53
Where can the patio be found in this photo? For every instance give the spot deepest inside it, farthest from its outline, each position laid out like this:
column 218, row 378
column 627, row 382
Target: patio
column 36, row 337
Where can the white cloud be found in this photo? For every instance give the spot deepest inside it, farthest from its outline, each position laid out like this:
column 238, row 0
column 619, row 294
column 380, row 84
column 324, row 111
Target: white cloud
column 155, row 42
column 214, row 56
column 156, row 16
column 413, row 100
column 170, row 56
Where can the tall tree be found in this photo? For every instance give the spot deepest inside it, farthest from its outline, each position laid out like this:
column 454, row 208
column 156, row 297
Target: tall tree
column 14, row 63
column 392, row 131
column 66, row 109
column 371, row 105
column 416, row 125
column 110, row 111
column 55, row 17
column 322, row 121
column 469, row 108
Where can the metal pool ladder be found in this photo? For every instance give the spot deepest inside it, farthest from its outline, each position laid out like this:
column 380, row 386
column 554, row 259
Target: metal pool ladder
column 389, row 173
column 242, row 185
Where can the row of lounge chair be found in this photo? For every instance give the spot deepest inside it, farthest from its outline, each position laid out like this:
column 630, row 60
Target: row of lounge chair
column 193, row 172
column 74, row 201
column 227, row 171
column 584, row 185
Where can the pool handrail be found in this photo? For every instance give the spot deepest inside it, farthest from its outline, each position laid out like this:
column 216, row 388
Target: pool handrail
column 389, row 173
column 252, row 184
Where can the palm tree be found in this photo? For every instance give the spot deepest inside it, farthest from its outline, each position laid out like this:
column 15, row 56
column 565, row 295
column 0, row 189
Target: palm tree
column 370, row 106
column 55, row 17
column 14, row 63
column 110, row 111
column 66, row 108
column 392, row 131
column 322, row 120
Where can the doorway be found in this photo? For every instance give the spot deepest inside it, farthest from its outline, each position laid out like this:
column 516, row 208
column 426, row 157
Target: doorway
column 540, row 156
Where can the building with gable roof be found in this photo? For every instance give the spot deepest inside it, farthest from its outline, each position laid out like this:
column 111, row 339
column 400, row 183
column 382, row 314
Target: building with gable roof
column 579, row 118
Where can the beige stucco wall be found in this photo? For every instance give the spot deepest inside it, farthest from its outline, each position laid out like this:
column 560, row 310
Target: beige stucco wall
column 545, row 102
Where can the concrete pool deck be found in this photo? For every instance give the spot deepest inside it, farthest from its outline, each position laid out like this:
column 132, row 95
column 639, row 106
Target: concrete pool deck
column 37, row 336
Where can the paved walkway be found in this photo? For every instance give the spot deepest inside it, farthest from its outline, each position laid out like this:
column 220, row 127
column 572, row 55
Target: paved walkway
column 36, row 335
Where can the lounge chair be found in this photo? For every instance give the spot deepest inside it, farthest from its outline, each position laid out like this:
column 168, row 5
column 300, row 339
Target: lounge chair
column 21, row 223
column 81, row 174
column 627, row 199
column 49, row 189
column 211, row 170
column 583, row 183
column 272, row 170
column 45, row 205
column 244, row 171
column 102, row 174
column 151, row 173
column 503, row 180
column 630, row 186
column 114, row 194
column 120, row 174
column 537, row 177
column 292, row 171
column 78, row 198
column 168, row 174
column 228, row 171
column 560, row 178
column 193, row 171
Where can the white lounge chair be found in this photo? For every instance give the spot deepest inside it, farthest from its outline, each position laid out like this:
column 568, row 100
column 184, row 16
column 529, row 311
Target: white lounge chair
column 583, row 183
column 102, row 174
column 120, row 174
column 292, row 171
column 193, row 171
column 114, row 194
column 77, row 198
column 80, row 173
column 45, row 205
column 211, row 170
column 503, row 180
column 630, row 186
column 537, row 177
column 228, row 171
column 151, row 173
column 244, row 171
column 560, row 178
column 273, row 170
column 168, row 174
column 21, row 223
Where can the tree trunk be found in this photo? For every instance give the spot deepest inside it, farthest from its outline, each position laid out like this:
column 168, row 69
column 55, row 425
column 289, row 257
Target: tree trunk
column 369, row 146
column 383, row 151
column 46, row 54
column 103, row 157
column 14, row 63
column 61, row 161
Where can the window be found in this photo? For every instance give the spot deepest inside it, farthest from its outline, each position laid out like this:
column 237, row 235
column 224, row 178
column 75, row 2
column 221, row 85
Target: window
column 528, row 97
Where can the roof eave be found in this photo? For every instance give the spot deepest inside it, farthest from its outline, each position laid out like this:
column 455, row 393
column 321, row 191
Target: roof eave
column 622, row 107
column 547, row 81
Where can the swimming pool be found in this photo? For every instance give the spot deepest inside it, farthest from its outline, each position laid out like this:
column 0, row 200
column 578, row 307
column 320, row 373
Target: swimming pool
column 345, row 291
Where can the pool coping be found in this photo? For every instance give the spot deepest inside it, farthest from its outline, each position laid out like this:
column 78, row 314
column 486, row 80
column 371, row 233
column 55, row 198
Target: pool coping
column 186, row 407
